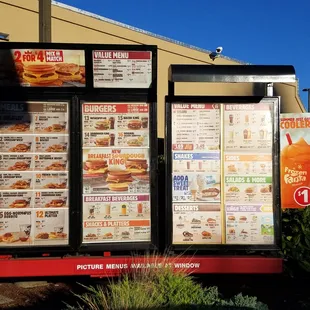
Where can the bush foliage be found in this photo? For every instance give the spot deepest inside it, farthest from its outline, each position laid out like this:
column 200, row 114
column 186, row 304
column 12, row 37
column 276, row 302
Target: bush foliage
column 160, row 289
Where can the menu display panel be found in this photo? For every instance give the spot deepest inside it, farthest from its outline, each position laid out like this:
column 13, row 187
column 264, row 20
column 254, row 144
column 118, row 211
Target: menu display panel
column 222, row 173
column 196, row 184
column 248, row 177
column 42, row 68
column 122, row 69
column 34, row 181
column 116, row 172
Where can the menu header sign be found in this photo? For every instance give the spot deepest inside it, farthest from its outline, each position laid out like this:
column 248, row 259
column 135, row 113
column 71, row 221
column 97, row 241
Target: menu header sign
column 42, row 67
column 122, row 69
column 295, row 160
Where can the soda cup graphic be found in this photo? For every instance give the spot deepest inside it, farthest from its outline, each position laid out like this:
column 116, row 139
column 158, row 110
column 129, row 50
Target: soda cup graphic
column 295, row 170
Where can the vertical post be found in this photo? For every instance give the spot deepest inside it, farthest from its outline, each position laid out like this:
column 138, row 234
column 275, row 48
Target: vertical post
column 45, row 20
column 269, row 89
column 308, row 91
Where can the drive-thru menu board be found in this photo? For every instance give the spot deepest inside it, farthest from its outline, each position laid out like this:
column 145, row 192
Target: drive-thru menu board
column 34, row 185
column 116, row 165
column 196, row 188
column 122, row 69
column 214, row 184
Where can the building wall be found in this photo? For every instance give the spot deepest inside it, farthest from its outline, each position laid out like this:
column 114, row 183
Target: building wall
column 73, row 27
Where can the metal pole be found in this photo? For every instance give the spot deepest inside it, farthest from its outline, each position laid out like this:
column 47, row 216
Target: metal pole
column 269, row 89
column 308, row 91
column 45, row 20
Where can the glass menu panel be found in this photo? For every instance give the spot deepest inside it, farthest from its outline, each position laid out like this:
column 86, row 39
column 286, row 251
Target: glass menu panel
column 248, row 200
column 196, row 185
column 116, row 167
column 34, row 200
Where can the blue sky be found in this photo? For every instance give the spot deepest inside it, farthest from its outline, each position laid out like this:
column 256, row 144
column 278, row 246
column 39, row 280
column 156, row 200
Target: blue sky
column 254, row 31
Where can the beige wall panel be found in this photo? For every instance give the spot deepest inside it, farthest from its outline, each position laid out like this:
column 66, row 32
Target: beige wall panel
column 290, row 101
column 22, row 25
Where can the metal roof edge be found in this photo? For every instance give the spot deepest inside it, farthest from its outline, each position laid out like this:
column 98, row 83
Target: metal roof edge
column 157, row 36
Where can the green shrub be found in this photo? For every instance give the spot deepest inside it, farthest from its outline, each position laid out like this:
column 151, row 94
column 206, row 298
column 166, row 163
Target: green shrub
column 296, row 238
column 159, row 289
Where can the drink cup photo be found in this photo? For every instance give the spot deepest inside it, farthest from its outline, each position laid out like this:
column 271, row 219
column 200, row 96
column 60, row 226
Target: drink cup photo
column 24, row 232
column 107, row 209
column 112, row 139
column 145, row 122
column 295, row 169
column 111, row 122
column 246, row 119
column 188, row 165
column 91, row 212
column 200, row 165
column 59, row 229
column 140, row 208
column 231, row 135
column 231, row 119
column 124, row 209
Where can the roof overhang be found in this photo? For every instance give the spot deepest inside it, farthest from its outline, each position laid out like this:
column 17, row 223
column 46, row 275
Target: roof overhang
column 232, row 73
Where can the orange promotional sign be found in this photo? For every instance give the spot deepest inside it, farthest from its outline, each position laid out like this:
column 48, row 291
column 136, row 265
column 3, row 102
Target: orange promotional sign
column 295, row 160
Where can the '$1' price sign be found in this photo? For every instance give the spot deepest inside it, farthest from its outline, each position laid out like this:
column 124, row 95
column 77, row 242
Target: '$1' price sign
column 302, row 196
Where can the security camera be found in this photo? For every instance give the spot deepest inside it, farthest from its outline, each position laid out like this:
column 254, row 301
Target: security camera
column 217, row 52
column 219, row 49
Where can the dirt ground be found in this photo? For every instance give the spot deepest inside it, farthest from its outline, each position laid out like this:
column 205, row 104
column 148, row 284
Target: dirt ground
column 277, row 291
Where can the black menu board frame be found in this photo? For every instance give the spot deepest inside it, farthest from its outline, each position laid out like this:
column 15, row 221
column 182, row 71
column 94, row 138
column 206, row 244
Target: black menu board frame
column 220, row 100
column 13, row 92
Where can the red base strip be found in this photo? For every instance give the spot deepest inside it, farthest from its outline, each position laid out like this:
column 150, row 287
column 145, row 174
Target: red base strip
column 113, row 266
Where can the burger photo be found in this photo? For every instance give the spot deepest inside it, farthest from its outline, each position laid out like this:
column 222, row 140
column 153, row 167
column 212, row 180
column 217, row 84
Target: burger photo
column 103, row 141
column 20, row 203
column 134, row 124
column 40, row 74
column 136, row 166
column 68, row 72
column 102, row 125
column 96, row 166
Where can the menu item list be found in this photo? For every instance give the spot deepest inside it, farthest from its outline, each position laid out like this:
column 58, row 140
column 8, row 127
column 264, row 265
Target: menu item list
column 116, row 168
column 196, row 184
column 248, row 192
column 122, row 69
column 34, row 173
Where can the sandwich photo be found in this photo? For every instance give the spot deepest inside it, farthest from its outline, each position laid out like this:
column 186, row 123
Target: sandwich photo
column 96, row 166
column 56, row 203
column 57, row 148
column 118, row 180
column 102, row 142
column 20, row 148
column 231, row 231
column 210, row 192
column 134, row 142
column 21, row 184
column 22, row 127
column 57, row 166
column 19, row 203
column 55, row 128
column 242, row 218
column 40, row 74
column 187, row 234
column 102, row 125
column 62, row 185
column 134, row 124
column 68, row 72
column 136, row 166
column 231, row 218
column 20, row 166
